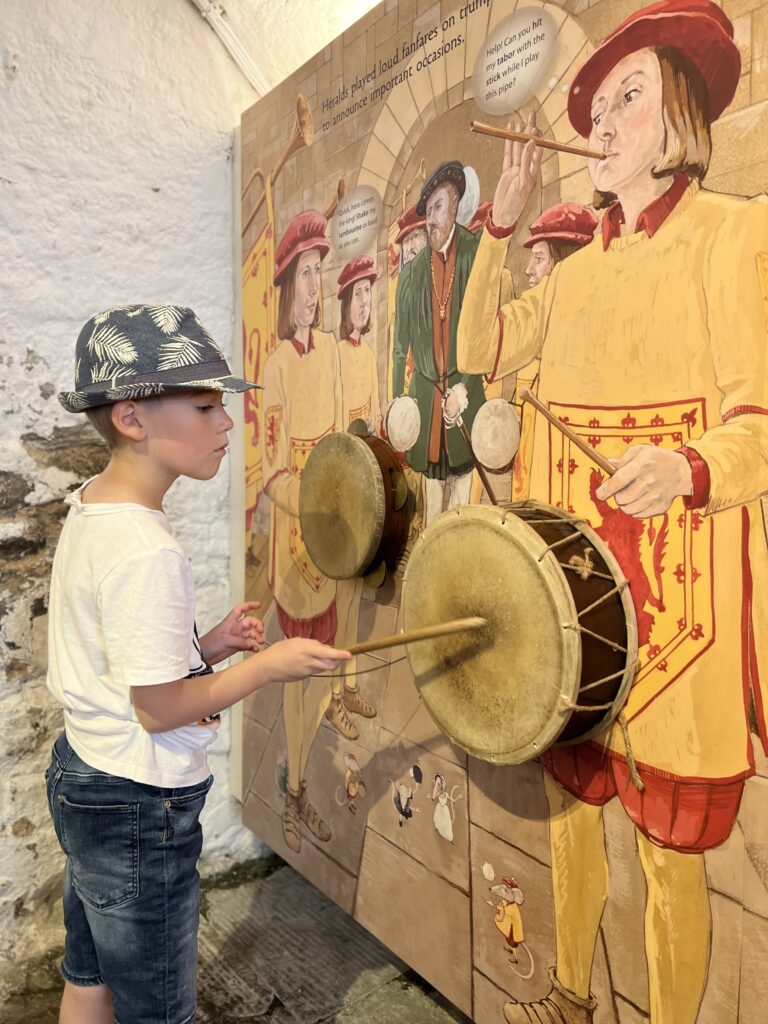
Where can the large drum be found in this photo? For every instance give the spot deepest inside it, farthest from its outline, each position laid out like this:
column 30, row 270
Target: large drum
column 353, row 506
column 559, row 652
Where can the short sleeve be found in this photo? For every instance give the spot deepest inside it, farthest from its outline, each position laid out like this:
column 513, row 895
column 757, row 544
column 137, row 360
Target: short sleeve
column 147, row 617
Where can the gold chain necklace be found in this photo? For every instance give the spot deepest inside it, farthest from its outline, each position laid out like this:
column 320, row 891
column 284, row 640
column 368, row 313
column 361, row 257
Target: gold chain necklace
column 443, row 305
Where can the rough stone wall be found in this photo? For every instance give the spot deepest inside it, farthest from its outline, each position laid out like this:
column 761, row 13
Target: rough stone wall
column 116, row 183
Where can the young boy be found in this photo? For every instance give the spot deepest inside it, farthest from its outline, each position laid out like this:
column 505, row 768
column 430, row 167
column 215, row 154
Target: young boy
column 129, row 775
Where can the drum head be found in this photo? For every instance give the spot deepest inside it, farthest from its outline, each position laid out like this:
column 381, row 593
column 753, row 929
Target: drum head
column 503, row 693
column 402, row 423
column 341, row 506
column 495, row 435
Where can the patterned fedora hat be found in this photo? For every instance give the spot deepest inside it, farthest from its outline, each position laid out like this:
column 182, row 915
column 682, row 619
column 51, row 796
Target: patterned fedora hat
column 139, row 351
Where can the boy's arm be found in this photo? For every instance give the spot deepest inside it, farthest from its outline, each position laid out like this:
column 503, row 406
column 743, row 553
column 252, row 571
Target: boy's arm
column 167, row 706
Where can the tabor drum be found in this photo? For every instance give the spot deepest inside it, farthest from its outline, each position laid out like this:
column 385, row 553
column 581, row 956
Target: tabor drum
column 353, row 506
column 495, row 435
column 559, row 651
column 402, row 423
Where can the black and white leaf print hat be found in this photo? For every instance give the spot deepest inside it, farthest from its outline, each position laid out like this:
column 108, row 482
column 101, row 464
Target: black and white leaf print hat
column 139, row 351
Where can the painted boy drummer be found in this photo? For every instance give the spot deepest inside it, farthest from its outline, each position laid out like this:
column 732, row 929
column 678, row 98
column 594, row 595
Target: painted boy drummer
column 653, row 348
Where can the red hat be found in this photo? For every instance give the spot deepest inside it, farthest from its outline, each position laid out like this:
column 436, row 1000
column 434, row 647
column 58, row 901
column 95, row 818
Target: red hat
column 481, row 215
column 698, row 28
column 566, row 222
column 359, row 269
column 408, row 221
column 306, row 231
column 509, row 882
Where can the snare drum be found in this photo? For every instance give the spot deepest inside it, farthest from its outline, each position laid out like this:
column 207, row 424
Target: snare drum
column 559, row 653
column 354, row 506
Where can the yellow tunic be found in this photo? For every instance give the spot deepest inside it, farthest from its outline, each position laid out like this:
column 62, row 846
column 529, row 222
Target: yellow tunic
column 660, row 340
column 359, row 383
column 301, row 403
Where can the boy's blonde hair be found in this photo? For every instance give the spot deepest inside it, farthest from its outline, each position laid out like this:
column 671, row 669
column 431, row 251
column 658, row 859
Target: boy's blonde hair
column 100, row 418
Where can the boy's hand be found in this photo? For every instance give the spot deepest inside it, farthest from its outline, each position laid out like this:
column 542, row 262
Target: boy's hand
column 238, row 632
column 299, row 658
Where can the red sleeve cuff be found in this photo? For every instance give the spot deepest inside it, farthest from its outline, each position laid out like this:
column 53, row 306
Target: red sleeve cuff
column 497, row 232
column 699, row 497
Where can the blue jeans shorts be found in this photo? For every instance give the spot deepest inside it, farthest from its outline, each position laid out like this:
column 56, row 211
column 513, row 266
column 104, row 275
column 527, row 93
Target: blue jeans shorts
column 131, row 887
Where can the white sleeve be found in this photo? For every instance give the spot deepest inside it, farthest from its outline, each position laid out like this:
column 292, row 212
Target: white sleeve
column 147, row 617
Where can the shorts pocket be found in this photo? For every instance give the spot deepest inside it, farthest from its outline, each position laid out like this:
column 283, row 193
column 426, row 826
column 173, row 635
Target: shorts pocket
column 102, row 841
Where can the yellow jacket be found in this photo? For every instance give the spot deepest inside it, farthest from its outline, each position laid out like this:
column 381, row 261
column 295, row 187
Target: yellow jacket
column 301, row 403
column 359, row 383
column 660, row 340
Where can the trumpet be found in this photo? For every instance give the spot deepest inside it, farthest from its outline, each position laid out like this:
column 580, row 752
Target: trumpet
column 302, row 135
column 341, row 191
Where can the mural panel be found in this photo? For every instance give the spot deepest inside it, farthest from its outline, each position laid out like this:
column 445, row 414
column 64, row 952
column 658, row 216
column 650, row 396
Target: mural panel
column 517, row 253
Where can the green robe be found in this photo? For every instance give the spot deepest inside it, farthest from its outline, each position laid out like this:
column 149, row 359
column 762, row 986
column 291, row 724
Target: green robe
column 413, row 332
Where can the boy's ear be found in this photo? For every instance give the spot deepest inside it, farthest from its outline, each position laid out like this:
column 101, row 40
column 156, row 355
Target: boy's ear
column 127, row 420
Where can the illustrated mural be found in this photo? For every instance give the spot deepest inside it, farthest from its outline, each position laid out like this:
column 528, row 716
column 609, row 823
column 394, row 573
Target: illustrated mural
column 413, row 279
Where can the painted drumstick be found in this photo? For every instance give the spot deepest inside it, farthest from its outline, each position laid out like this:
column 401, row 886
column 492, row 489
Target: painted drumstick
column 414, row 635
column 608, row 468
column 560, row 147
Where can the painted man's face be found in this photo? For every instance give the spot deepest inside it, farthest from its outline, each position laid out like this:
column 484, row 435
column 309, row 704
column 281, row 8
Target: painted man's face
column 540, row 263
column 307, row 290
column 441, row 214
column 360, row 305
column 413, row 244
column 627, row 124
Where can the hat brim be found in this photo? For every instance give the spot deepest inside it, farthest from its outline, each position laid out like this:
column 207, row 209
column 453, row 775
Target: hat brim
column 699, row 37
column 558, row 236
column 367, row 275
column 80, row 401
column 404, row 232
column 451, row 175
column 304, row 246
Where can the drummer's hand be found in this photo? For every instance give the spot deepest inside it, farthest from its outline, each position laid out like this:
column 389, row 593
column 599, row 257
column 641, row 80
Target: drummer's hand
column 519, row 174
column 455, row 402
column 647, row 480
column 299, row 658
column 237, row 632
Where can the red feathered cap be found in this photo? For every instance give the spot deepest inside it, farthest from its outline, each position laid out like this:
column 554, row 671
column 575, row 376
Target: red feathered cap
column 306, row 231
column 566, row 222
column 408, row 221
column 359, row 269
column 698, row 28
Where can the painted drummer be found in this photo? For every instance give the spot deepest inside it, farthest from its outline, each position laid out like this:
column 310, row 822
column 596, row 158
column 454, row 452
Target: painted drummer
column 556, row 234
column 360, row 401
column 652, row 343
column 430, row 290
column 302, row 403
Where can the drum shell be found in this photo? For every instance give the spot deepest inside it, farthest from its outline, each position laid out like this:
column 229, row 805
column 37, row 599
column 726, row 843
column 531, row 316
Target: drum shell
column 483, row 701
column 347, row 512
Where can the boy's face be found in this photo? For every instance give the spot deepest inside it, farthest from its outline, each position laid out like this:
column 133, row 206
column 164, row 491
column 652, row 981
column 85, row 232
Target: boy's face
column 186, row 435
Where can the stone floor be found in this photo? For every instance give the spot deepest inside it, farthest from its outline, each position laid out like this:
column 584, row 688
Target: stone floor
column 275, row 950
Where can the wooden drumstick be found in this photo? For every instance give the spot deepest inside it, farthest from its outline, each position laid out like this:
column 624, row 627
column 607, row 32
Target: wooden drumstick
column 414, row 635
column 608, row 468
column 560, row 147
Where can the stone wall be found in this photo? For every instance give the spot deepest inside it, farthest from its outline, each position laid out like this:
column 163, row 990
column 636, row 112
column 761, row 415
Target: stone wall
column 116, row 180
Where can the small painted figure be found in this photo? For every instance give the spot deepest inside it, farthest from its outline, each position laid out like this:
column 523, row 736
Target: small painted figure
column 403, row 794
column 444, row 815
column 508, row 918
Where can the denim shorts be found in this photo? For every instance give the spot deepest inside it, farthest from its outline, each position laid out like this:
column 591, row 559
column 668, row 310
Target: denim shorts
column 131, row 887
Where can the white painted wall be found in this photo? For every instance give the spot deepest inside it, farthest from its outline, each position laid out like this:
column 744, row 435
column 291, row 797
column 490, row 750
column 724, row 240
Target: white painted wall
column 116, row 186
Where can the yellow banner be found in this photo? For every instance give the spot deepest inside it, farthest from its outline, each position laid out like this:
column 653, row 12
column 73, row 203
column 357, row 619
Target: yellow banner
column 259, row 341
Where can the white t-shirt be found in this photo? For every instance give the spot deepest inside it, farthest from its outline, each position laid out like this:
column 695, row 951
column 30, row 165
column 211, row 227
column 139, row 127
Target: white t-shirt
column 122, row 614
